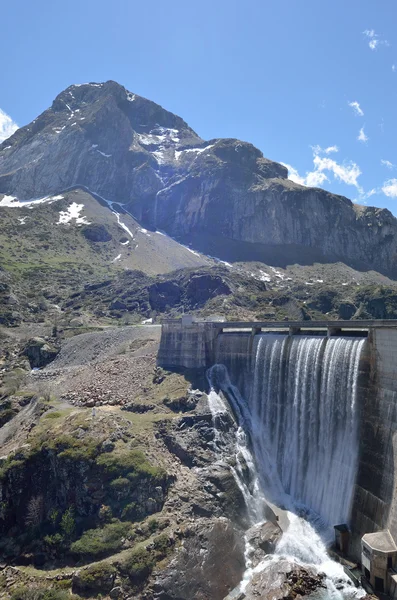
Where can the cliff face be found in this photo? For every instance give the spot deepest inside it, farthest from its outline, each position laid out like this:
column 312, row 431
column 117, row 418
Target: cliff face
column 221, row 195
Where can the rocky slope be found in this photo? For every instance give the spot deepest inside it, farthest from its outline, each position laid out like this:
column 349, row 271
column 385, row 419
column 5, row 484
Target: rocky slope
column 135, row 504
column 223, row 196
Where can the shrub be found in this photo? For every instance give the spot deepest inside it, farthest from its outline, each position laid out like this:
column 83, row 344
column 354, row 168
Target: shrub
column 130, row 511
column 68, row 523
column 138, row 565
column 153, row 525
column 63, row 584
column 95, row 543
column 120, row 483
column 161, row 544
column 98, row 578
column 54, row 541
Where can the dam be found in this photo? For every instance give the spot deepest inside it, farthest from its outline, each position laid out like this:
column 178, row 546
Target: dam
column 321, row 402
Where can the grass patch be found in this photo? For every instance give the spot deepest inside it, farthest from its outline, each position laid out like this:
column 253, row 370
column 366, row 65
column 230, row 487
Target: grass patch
column 132, row 465
column 52, row 415
column 41, row 593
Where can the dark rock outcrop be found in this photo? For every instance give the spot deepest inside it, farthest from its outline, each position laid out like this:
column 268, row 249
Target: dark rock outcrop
column 222, row 196
column 202, row 288
column 96, row 233
column 164, row 294
column 208, row 565
column 39, row 352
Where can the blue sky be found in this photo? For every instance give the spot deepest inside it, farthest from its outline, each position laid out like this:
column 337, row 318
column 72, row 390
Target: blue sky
column 300, row 79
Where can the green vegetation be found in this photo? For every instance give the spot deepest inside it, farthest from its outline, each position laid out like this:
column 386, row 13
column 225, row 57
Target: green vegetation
column 41, row 593
column 97, row 578
column 131, row 465
column 97, row 543
column 12, row 381
column 140, row 562
column 72, row 448
column 53, row 415
column 109, row 490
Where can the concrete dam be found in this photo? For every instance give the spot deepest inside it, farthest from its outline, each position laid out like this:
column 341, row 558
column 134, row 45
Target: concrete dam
column 320, row 401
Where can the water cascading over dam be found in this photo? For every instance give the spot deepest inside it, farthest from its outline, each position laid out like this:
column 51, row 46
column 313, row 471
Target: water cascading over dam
column 297, row 400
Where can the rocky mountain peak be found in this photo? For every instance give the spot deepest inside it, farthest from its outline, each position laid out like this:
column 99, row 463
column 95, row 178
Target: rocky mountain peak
column 221, row 196
column 143, row 114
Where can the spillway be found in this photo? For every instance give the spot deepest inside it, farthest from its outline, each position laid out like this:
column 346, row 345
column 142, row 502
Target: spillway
column 297, row 400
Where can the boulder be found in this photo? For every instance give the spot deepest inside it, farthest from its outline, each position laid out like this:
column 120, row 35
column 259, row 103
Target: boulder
column 262, row 539
column 283, row 580
column 183, row 403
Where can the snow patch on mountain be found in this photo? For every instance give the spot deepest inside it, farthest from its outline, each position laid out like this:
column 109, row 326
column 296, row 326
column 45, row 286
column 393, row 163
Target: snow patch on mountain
column 13, row 202
column 73, row 212
column 103, row 154
column 196, row 150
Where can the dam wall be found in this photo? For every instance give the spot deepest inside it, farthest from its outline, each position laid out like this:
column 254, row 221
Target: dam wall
column 187, row 344
column 375, row 499
column 193, row 345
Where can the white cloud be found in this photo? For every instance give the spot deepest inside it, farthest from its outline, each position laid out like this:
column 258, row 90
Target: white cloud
column 358, row 111
column 390, row 188
column 347, row 173
column 318, row 150
column 324, row 166
column 387, row 163
column 362, row 137
column 393, row 68
column 374, row 40
column 7, row 126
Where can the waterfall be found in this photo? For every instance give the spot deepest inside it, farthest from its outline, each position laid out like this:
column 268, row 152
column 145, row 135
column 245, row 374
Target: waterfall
column 295, row 400
column 297, row 396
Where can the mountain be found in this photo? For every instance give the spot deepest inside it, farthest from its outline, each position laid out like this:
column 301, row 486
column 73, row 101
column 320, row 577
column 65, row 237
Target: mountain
column 221, row 196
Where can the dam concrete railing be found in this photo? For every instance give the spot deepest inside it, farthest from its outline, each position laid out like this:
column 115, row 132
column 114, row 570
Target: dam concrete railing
column 190, row 343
